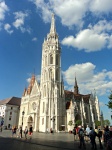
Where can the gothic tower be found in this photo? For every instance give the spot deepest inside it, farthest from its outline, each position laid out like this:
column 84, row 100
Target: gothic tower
column 52, row 101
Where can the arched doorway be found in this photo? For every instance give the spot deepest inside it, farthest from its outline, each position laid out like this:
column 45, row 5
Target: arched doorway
column 30, row 121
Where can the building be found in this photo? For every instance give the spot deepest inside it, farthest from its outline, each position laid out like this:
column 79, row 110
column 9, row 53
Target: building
column 9, row 111
column 46, row 105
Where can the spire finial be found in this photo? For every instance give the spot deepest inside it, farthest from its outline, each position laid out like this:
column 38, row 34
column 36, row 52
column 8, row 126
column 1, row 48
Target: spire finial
column 52, row 29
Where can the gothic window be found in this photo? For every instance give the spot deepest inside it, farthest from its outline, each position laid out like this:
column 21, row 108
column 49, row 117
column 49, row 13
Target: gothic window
column 42, row 121
column 57, row 59
column 51, row 59
column 57, row 75
column 51, row 74
column 43, row 106
column 46, row 61
column 44, row 90
column 45, row 76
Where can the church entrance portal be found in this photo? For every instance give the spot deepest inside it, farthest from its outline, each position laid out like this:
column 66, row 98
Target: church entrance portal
column 30, row 121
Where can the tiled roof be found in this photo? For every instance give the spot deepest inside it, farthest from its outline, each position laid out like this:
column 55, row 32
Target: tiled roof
column 69, row 95
column 11, row 101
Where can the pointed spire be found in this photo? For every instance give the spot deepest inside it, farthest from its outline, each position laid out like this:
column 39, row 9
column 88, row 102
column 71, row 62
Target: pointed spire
column 76, row 91
column 53, row 29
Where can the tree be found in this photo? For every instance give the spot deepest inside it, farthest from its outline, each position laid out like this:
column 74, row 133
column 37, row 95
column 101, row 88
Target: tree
column 106, row 122
column 97, row 123
column 78, row 122
column 110, row 101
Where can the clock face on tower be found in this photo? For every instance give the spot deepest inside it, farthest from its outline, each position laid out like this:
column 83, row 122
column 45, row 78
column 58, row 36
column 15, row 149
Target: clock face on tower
column 34, row 105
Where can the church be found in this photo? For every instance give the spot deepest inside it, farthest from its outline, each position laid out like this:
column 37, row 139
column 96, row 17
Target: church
column 47, row 105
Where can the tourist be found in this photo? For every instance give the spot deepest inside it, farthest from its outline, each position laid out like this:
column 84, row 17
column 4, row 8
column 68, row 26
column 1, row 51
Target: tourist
column 81, row 138
column 30, row 131
column 87, row 133
column 26, row 132
column 92, row 135
column 74, row 133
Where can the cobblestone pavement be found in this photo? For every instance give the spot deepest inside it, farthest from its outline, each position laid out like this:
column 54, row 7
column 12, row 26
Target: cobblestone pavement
column 41, row 141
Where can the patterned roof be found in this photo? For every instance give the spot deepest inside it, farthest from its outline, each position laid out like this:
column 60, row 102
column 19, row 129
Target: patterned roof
column 70, row 95
column 11, row 101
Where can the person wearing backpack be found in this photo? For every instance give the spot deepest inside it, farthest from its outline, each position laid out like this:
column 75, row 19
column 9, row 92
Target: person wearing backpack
column 81, row 138
column 74, row 133
column 92, row 135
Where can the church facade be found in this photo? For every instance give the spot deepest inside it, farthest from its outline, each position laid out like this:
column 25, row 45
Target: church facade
column 46, row 105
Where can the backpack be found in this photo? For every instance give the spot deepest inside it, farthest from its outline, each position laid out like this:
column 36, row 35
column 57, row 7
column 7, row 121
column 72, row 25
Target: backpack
column 74, row 131
column 81, row 133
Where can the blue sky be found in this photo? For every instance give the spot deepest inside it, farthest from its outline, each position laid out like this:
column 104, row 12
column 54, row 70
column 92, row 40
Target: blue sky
column 85, row 33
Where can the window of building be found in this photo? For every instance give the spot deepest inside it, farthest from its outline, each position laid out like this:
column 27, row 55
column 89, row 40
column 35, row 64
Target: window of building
column 51, row 59
column 11, row 107
column 57, row 62
column 10, row 113
column 9, row 117
column 43, row 106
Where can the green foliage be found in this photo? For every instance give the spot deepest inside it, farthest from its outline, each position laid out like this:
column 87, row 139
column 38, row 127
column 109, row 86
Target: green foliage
column 70, row 123
column 110, row 101
column 78, row 122
column 97, row 123
column 106, row 122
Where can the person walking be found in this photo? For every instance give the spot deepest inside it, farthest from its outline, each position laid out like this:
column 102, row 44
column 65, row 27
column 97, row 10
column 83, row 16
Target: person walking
column 92, row 135
column 20, row 132
column 30, row 131
column 87, row 133
column 74, row 133
column 81, row 138
column 26, row 132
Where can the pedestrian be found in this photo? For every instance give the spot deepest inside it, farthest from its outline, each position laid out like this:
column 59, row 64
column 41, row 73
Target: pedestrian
column 26, row 132
column 81, row 138
column 14, row 130
column 106, row 135
column 92, row 135
column 100, row 137
column 20, row 132
column 87, row 133
column 109, row 142
column 30, row 131
column 74, row 133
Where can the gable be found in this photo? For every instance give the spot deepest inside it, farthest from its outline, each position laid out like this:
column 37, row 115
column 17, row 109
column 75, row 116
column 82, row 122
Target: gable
column 35, row 89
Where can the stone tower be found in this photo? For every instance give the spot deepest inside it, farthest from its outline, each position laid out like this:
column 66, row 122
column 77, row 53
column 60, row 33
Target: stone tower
column 52, row 105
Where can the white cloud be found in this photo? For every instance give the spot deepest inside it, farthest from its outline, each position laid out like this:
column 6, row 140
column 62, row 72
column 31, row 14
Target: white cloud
column 94, row 38
column 7, row 27
column 34, row 39
column 99, row 6
column 87, row 79
column 3, row 10
column 20, row 20
column 72, row 12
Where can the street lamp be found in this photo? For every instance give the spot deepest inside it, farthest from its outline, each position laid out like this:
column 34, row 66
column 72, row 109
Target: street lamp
column 22, row 117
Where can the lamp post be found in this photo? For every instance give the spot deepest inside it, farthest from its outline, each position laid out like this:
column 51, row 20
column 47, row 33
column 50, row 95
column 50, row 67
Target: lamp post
column 22, row 116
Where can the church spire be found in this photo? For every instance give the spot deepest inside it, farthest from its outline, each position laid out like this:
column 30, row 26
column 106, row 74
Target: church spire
column 53, row 29
column 76, row 91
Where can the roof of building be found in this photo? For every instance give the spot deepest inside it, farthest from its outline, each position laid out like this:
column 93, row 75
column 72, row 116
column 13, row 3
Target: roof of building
column 69, row 95
column 11, row 101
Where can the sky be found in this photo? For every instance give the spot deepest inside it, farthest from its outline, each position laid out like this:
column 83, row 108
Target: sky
column 85, row 33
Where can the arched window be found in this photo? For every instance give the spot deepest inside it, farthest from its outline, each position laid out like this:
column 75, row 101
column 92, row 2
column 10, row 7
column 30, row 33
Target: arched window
column 51, row 75
column 57, row 59
column 51, row 59
column 45, row 60
column 57, row 75
column 44, row 90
